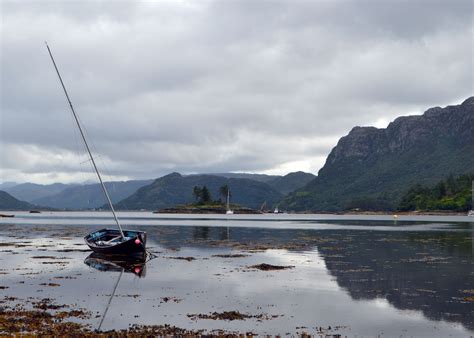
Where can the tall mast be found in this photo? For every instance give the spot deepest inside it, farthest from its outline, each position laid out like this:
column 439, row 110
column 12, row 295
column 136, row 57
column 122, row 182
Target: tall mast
column 106, row 194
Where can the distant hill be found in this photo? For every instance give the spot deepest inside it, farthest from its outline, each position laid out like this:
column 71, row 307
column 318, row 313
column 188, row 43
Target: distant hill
column 31, row 191
column 90, row 196
column 256, row 177
column 6, row 185
column 8, row 202
column 173, row 189
column 291, row 182
column 375, row 167
column 284, row 184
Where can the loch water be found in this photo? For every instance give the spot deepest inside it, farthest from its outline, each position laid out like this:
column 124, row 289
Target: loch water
column 352, row 275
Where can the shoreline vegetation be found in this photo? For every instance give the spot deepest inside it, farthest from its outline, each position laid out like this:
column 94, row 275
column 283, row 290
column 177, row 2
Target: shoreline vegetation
column 197, row 211
column 220, row 211
column 452, row 194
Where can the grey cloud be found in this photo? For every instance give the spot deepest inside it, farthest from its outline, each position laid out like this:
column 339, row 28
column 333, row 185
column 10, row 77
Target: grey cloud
column 221, row 85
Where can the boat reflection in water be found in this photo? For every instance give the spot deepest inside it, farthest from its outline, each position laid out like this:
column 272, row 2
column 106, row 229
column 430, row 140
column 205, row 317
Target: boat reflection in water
column 118, row 263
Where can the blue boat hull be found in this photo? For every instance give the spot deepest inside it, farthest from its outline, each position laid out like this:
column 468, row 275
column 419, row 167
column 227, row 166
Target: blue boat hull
column 101, row 241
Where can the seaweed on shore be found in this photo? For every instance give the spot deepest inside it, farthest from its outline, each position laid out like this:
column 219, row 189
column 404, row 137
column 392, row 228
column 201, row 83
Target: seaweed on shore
column 189, row 259
column 230, row 315
column 226, row 315
column 231, row 255
column 155, row 330
column 38, row 321
column 269, row 267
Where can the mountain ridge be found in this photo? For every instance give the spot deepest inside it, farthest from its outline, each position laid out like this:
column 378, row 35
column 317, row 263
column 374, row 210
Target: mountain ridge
column 291, row 181
column 8, row 202
column 90, row 196
column 173, row 189
column 31, row 191
column 378, row 164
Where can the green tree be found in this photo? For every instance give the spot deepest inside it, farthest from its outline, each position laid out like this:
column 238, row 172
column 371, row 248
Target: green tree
column 454, row 193
column 205, row 195
column 197, row 192
column 224, row 190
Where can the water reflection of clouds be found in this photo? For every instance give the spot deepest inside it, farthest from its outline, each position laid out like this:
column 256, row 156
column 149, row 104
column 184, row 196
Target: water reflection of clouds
column 237, row 287
column 22, row 256
column 308, row 295
column 305, row 296
column 311, row 268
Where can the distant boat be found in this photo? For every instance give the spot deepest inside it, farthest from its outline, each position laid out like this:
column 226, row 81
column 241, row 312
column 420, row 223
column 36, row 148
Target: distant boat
column 106, row 241
column 229, row 211
column 470, row 213
column 35, row 212
column 6, row 215
column 276, row 211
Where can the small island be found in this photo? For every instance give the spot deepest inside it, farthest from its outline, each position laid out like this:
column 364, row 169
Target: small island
column 204, row 209
column 204, row 204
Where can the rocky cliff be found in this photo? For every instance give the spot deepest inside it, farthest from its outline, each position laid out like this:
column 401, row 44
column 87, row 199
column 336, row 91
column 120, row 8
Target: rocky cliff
column 371, row 168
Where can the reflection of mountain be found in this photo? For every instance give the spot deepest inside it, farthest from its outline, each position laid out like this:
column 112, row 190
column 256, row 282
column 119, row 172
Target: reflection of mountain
column 412, row 271
column 422, row 271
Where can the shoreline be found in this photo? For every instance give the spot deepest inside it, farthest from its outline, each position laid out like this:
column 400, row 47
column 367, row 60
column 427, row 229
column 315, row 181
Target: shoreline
column 406, row 213
column 197, row 211
column 355, row 213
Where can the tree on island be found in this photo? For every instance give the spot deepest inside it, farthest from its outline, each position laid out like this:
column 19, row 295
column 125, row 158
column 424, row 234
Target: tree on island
column 202, row 195
column 205, row 195
column 197, row 192
column 224, row 190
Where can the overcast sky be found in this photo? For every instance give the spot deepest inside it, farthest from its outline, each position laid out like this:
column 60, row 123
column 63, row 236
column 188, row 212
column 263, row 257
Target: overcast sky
column 217, row 86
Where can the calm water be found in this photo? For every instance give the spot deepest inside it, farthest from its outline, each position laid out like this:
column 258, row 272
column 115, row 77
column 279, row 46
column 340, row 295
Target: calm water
column 362, row 276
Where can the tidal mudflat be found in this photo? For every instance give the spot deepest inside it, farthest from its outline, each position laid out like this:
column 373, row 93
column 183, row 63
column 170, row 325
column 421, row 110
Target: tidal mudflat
column 320, row 275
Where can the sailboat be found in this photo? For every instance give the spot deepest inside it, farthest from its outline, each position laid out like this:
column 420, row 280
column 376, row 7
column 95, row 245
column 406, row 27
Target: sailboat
column 106, row 241
column 229, row 211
